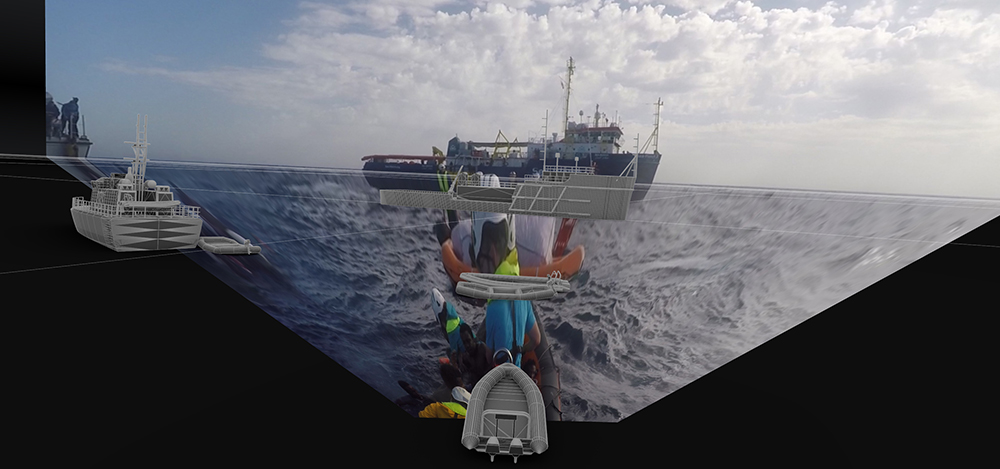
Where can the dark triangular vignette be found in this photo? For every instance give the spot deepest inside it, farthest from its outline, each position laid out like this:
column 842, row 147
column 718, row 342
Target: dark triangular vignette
column 895, row 373
column 886, row 375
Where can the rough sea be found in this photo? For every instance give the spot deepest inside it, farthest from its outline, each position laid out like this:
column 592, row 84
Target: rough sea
column 695, row 277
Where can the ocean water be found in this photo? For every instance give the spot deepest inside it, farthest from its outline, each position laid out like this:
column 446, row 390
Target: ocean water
column 695, row 277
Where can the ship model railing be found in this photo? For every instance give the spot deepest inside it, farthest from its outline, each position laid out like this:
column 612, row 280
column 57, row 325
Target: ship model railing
column 568, row 169
column 108, row 210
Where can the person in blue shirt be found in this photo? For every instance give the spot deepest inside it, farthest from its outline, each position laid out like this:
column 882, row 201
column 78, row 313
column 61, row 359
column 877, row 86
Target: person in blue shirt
column 508, row 322
column 449, row 321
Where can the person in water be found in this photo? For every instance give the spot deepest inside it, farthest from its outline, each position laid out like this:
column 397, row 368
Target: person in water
column 510, row 324
column 477, row 359
column 452, row 378
column 450, row 322
column 453, row 408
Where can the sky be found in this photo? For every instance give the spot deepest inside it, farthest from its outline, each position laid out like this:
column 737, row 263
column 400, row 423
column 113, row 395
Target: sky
column 856, row 95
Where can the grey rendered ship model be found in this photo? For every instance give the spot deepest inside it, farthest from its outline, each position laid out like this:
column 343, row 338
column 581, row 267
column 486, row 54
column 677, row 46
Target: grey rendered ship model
column 127, row 212
column 561, row 191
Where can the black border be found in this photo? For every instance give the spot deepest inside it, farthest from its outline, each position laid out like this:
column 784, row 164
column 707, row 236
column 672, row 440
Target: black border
column 897, row 373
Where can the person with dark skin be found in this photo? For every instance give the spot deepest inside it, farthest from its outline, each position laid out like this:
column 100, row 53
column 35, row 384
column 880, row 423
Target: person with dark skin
column 530, row 369
column 452, row 378
column 477, row 359
column 70, row 115
column 51, row 116
column 510, row 324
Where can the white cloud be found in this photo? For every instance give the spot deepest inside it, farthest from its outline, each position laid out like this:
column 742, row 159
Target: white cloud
column 874, row 12
column 394, row 76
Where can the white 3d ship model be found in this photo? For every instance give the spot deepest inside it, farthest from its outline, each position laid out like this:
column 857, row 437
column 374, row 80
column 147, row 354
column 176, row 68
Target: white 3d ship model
column 561, row 191
column 127, row 212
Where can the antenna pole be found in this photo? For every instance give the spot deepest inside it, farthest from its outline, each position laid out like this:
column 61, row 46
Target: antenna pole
column 545, row 136
column 569, row 79
column 566, row 137
column 656, row 126
column 139, row 148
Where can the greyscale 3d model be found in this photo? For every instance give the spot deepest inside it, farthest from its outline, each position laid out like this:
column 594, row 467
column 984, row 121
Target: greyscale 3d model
column 507, row 412
column 560, row 191
column 127, row 212
column 506, row 415
column 508, row 287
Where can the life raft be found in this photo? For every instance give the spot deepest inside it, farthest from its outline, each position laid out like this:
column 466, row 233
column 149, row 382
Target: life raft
column 568, row 265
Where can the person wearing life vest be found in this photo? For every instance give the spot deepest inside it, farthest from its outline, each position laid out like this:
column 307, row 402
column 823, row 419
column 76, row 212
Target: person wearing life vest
column 452, row 409
column 477, row 360
column 508, row 323
column 451, row 377
column 450, row 322
column 535, row 237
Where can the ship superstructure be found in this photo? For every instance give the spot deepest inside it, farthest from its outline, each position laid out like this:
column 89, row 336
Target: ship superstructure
column 127, row 212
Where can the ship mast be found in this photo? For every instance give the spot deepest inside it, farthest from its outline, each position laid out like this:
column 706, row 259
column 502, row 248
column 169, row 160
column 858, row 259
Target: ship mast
column 139, row 146
column 655, row 136
column 545, row 145
column 569, row 79
column 656, row 128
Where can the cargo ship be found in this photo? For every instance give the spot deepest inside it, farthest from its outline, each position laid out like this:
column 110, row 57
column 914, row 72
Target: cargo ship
column 594, row 144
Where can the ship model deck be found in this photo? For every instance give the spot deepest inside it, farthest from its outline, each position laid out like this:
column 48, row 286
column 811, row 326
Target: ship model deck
column 564, row 192
column 127, row 212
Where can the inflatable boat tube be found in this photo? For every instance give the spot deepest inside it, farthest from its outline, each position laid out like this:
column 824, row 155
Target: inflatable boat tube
column 223, row 245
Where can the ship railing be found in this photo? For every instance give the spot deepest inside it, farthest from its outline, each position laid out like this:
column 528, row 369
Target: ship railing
column 473, row 180
column 568, row 169
column 141, row 212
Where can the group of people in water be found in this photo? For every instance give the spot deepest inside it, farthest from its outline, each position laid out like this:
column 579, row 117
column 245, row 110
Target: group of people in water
column 510, row 332
column 56, row 126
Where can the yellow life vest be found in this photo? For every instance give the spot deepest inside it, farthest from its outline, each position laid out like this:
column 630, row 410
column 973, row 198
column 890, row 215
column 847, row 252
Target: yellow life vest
column 455, row 407
column 509, row 266
column 452, row 324
column 443, row 410
column 443, row 181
